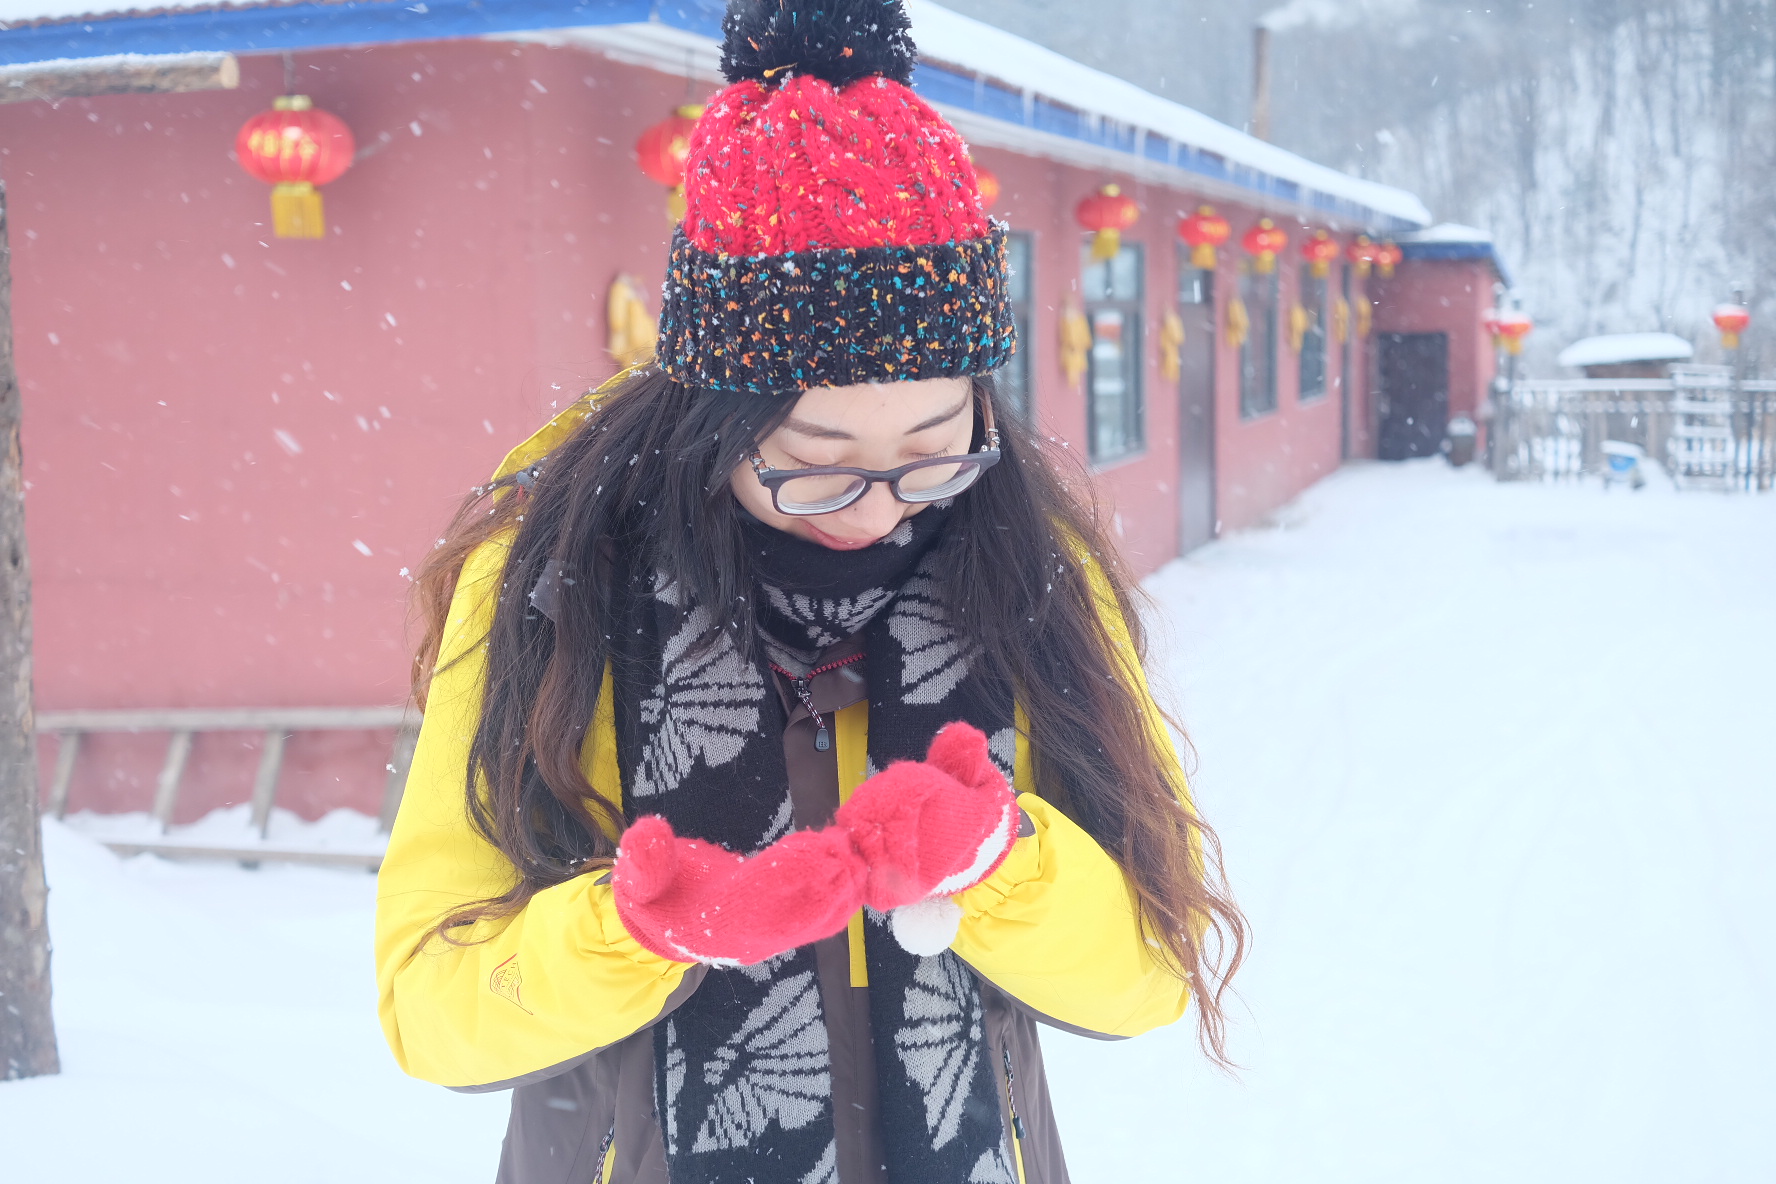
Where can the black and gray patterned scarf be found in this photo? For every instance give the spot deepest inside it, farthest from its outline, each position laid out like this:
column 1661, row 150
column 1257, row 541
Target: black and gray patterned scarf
column 743, row 1075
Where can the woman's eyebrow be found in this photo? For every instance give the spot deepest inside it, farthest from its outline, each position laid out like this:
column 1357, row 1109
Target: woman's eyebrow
column 802, row 427
column 935, row 420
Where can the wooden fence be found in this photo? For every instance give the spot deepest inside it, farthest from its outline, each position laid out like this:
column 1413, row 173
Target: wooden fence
column 277, row 723
column 1705, row 429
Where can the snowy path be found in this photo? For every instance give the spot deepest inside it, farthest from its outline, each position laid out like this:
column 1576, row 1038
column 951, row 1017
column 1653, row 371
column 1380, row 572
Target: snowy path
column 1494, row 766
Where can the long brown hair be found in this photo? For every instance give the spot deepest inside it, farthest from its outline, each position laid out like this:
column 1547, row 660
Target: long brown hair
column 647, row 474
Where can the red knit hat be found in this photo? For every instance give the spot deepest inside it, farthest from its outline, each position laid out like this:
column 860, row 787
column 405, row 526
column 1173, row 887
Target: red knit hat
column 833, row 231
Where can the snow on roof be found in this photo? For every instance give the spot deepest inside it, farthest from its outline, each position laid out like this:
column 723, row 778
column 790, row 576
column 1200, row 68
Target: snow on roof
column 1614, row 348
column 1448, row 232
column 15, row 11
column 949, row 37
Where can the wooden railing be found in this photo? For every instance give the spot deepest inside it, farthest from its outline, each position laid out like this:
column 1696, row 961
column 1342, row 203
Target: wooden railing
column 1707, row 430
column 277, row 724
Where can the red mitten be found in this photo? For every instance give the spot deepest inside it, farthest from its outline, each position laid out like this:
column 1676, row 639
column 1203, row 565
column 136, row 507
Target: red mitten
column 693, row 901
column 932, row 827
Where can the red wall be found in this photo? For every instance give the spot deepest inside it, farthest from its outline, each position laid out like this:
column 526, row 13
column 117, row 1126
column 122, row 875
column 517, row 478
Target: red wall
column 1266, row 460
column 219, row 424
column 235, row 444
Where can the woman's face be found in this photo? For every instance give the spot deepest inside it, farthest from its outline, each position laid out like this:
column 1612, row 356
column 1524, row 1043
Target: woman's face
column 873, row 425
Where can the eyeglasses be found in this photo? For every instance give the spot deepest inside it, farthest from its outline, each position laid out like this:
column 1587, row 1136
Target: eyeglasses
column 822, row 489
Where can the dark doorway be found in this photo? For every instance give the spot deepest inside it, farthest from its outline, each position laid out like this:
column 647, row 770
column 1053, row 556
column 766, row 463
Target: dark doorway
column 1196, row 407
column 1414, row 394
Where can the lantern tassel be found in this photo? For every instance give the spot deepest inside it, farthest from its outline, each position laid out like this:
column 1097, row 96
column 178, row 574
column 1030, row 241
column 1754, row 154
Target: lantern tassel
column 1264, row 263
column 1105, row 244
column 296, row 211
column 676, row 204
column 1729, row 339
column 1202, row 257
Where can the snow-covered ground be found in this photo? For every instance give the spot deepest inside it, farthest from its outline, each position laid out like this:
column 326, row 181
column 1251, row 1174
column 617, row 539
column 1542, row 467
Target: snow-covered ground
column 1494, row 767
column 1496, row 771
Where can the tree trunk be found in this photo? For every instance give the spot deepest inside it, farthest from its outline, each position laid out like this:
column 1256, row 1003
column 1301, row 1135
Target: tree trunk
column 27, row 1030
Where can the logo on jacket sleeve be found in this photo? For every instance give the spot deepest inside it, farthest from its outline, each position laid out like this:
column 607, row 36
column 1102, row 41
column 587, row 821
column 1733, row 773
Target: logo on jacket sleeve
column 505, row 982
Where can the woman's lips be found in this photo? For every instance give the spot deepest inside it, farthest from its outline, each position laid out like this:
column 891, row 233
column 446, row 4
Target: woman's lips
column 835, row 542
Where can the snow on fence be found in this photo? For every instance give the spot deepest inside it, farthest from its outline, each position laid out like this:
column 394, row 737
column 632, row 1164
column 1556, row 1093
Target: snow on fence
column 1708, row 431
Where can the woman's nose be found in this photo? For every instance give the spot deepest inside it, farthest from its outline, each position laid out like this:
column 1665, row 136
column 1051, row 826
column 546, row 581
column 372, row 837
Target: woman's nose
column 874, row 514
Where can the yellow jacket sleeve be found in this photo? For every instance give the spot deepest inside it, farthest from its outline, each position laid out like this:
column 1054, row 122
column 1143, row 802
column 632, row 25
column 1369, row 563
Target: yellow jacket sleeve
column 556, row 981
column 1056, row 926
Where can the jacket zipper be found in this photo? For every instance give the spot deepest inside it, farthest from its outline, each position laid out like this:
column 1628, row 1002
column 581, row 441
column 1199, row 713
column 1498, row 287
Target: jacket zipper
column 800, row 684
column 1017, row 1123
column 604, row 1150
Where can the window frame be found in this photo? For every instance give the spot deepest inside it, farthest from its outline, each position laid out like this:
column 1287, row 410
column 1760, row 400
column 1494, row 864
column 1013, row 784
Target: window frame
column 1017, row 378
column 1261, row 327
column 1316, row 335
column 1133, row 433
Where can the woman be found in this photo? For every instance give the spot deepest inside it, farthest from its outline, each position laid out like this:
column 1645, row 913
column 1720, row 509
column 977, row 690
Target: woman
column 710, row 850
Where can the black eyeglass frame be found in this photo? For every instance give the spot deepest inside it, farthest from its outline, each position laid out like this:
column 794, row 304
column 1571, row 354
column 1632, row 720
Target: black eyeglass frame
column 981, row 459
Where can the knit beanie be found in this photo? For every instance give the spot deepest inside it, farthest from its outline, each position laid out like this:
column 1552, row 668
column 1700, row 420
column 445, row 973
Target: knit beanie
column 833, row 229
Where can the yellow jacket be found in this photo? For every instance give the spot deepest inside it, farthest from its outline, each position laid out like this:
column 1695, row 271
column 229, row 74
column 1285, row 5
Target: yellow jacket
column 1054, row 927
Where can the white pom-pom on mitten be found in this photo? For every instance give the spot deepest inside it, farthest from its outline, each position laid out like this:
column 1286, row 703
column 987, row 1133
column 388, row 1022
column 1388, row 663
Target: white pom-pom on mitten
column 926, row 927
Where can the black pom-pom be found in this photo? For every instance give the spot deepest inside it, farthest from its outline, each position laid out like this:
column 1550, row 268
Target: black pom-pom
column 838, row 40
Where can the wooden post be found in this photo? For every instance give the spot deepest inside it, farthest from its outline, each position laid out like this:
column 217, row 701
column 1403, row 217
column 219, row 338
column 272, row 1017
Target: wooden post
column 265, row 783
column 27, row 1030
column 124, row 74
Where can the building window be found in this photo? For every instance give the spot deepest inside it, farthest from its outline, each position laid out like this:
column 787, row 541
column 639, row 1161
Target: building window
column 1015, row 389
column 1313, row 338
column 1195, row 286
column 1114, row 415
column 1258, row 373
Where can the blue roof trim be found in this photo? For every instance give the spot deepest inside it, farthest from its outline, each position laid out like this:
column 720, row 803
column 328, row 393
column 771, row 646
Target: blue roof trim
column 272, row 28
column 1458, row 252
column 315, row 25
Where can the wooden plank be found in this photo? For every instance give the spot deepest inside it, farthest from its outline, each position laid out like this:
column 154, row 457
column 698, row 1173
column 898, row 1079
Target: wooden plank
column 271, row 762
column 175, row 850
column 399, row 762
column 119, row 74
column 221, row 719
column 166, row 790
column 67, row 749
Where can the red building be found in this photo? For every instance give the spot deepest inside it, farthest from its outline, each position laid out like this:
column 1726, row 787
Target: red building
column 237, row 445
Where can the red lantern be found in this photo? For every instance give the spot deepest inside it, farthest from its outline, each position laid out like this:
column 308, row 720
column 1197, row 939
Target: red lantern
column 1319, row 251
column 988, row 185
column 1387, row 256
column 1264, row 242
column 1513, row 326
column 1204, row 231
column 1107, row 213
column 661, row 151
column 295, row 147
column 1362, row 253
column 1489, row 320
column 1731, row 320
